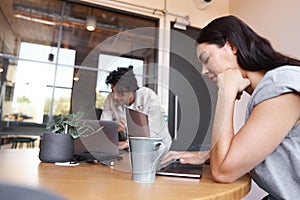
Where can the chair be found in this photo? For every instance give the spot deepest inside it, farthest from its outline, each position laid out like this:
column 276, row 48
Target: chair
column 29, row 141
column 18, row 192
column 98, row 112
column 5, row 139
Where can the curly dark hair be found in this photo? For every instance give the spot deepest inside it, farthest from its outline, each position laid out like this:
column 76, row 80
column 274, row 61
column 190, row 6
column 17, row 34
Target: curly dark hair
column 124, row 79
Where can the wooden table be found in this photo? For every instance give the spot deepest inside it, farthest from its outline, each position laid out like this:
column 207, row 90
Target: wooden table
column 95, row 181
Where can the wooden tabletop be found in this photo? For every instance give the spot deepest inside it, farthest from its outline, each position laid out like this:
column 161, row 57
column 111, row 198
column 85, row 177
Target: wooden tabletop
column 95, row 181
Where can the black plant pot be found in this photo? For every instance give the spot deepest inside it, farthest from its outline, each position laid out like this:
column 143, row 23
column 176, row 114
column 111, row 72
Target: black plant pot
column 56, row 148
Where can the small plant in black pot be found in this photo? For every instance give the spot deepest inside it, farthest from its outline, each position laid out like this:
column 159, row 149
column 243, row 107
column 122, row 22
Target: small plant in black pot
column 58, row 144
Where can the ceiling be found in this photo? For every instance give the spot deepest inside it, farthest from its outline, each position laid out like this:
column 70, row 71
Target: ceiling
column 38, row 21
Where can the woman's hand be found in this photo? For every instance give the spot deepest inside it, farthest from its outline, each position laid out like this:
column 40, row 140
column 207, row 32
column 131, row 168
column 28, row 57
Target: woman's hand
column 187, row 157
column 232, row 82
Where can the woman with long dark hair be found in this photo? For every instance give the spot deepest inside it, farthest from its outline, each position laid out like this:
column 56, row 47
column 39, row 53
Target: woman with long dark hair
column 268, row 145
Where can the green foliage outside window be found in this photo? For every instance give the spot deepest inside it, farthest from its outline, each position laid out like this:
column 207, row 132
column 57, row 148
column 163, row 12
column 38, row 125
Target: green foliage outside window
column 99, row 100
column 61, row 106
column 23, row 99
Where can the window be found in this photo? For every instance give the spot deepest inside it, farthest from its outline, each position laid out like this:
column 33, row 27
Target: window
column 33, row 80
column 108, row 63
column 43, row 48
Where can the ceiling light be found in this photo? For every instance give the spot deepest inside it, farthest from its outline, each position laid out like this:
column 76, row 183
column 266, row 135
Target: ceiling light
column 90, row 22
column 76, row 78
column 76, row 75
column 51, row 57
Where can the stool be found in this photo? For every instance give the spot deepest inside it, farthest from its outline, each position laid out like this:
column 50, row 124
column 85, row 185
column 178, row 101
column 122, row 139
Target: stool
column 21, row 140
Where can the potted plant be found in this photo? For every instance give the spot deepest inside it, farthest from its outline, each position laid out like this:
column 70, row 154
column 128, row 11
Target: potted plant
column 58, row 144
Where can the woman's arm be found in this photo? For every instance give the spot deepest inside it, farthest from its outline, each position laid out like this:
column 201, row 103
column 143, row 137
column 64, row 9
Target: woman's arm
column 234, row 155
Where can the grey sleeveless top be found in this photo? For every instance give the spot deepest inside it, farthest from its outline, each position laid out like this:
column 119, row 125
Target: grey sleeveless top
column 279, row 173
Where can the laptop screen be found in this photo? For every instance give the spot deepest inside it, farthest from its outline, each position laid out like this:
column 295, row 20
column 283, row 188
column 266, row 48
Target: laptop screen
column 137, row 123
column 98, row 136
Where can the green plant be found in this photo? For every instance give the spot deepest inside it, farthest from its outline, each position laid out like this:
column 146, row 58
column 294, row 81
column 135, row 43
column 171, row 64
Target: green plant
column 66, row 123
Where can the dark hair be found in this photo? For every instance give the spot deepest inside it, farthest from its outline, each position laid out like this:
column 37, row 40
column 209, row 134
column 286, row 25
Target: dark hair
column 115, row 75
column 253, row 51
column 123, row 79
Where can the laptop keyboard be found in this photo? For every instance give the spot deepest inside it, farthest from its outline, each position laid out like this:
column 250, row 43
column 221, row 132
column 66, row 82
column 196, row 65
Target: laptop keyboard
column 94, row 157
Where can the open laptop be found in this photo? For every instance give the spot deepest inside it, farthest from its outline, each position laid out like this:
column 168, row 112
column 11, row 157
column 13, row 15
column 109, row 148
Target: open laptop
column 98, row 141
column 137, row 123
column 187, row 170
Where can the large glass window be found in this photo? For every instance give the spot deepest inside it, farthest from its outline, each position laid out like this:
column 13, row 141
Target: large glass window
column 34, row 80
column 44, row 46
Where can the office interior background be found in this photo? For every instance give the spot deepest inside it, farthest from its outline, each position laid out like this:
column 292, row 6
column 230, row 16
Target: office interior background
column 44, row 46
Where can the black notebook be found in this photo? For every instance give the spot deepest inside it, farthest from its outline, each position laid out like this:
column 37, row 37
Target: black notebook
column 177, row 169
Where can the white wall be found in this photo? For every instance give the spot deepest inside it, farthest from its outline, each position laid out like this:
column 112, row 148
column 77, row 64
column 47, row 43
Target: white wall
column 198, row 17
column 278, row 21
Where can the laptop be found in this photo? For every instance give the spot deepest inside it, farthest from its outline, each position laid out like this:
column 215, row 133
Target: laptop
column 137, row 123
column 175, row 168
column 98, row 141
